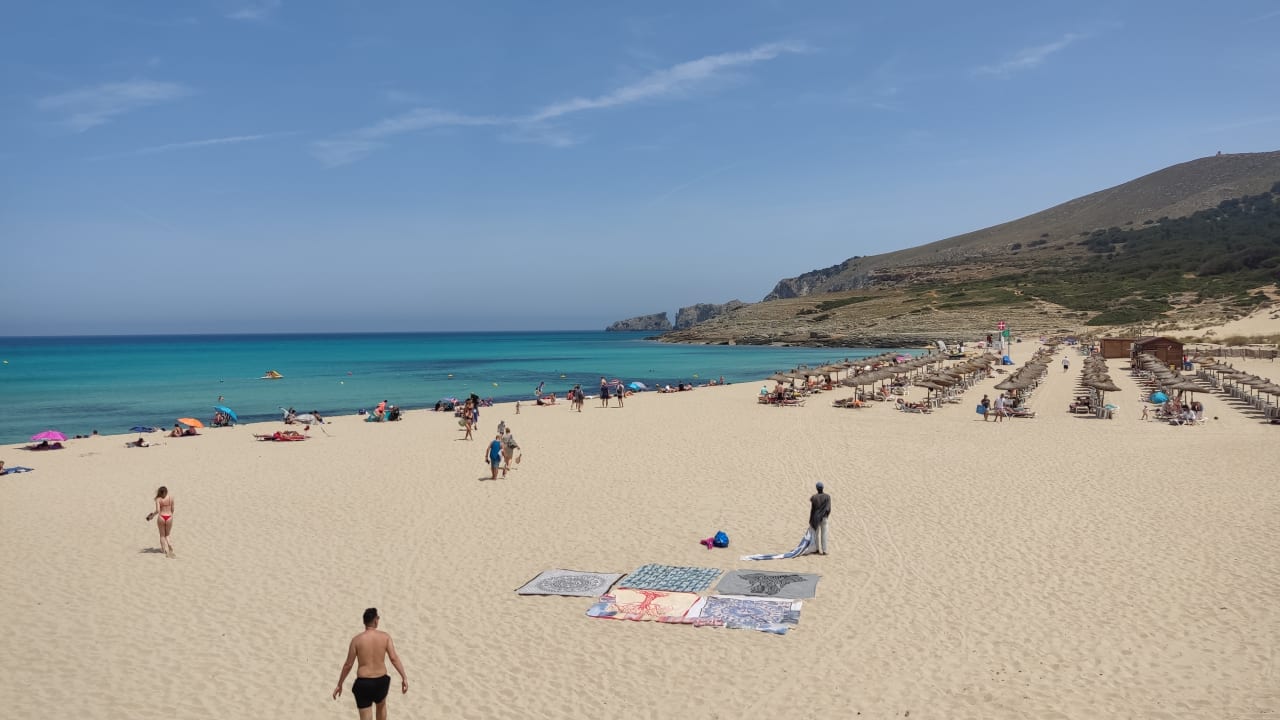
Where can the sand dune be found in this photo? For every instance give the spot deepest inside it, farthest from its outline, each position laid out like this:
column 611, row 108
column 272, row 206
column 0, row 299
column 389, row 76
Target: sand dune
column 1056, row 567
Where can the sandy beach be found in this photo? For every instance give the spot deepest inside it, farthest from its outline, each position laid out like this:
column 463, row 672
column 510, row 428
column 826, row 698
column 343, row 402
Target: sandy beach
column 1056, row 567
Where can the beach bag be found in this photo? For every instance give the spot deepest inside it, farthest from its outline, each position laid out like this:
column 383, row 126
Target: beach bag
column 720, row 539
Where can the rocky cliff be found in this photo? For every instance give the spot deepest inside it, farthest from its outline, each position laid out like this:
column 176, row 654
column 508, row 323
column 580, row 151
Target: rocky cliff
column 689, row 316
column 650, row 323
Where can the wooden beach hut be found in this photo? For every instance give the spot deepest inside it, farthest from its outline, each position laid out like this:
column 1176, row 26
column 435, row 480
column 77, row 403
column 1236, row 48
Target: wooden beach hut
column 1116, row 348
column 1167, row 350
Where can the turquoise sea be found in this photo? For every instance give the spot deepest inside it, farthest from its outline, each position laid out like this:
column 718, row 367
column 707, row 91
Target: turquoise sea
column 79, row 384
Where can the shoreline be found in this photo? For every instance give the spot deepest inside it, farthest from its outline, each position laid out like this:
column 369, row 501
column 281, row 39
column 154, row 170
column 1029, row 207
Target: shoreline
column 1062, row 564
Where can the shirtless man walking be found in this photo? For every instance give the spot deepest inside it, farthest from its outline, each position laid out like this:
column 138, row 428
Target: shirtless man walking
column 372, row 682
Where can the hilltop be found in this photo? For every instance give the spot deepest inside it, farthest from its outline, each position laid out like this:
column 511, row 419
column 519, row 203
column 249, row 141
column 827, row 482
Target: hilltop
column 1049, row 236
column 1193, row 242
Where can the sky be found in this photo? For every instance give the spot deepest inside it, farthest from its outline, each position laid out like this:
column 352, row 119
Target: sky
column 331, row 165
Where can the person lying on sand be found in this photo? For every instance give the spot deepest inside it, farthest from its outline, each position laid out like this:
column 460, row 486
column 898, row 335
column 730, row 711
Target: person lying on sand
column 140, row 442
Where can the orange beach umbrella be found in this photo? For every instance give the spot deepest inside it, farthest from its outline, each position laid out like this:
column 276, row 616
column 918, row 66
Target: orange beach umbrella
column 192, row 422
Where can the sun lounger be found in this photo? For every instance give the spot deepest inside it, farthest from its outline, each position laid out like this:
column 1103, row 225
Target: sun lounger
column 905, row 406
column 849, row 403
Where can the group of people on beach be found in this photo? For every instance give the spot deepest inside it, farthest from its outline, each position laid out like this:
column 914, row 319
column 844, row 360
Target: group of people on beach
column 999, row 408
column 501, row 450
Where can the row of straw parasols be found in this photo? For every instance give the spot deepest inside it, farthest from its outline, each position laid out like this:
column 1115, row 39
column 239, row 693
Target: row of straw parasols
column 1030, row 372
column 944, row 379
column 1096, row 376
column 888, row 373
column 804, row 372
column 1168, row 380
column 1255, row 383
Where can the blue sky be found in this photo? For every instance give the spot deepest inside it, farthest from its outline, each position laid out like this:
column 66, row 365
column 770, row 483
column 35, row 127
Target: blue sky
column 279, row 165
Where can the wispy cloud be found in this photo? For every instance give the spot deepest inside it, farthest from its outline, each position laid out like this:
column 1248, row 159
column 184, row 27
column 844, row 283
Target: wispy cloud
column 1266, row 16
column 356, row 145
column 254, row 10
column 539, row 134
column 92, row 106
column 192, row 145
column 679, row 80
column 675, row 80
column 1029, row 58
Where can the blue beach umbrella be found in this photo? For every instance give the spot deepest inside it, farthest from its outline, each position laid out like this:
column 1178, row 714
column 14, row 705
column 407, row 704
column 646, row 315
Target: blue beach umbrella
column 638, row 386
column 229, row 412
column 142, row 429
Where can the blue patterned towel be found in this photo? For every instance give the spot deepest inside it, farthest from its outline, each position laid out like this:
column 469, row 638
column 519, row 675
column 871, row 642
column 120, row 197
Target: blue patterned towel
column 765, row 615
column 670, row 578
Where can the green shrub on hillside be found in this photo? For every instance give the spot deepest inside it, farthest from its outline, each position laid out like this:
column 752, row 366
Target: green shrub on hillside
column 833, row 304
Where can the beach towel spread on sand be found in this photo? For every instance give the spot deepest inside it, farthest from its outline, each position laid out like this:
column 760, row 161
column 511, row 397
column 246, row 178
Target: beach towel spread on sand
column 654, row 605
column 569, row 582
column 806, row 544
column 761, row 583
column 744, row 613
column 670, row 578
column 18, row 469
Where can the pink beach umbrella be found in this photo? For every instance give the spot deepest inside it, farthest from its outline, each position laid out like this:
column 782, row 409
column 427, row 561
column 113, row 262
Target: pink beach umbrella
column 52, row 435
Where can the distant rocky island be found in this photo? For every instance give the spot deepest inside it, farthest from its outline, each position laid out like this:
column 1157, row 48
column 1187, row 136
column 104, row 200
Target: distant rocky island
column 656, row 322
column 686, row 317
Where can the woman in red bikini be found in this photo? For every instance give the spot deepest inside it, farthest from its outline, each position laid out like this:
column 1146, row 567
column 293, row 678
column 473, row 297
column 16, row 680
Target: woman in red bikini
column 164, row 519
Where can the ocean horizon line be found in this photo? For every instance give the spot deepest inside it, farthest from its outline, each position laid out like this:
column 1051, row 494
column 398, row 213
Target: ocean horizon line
column 327, row 333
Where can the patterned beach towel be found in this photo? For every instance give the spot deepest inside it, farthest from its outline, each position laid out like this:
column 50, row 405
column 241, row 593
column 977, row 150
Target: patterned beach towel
column 670, row 578
column 575, row 583
column 763, row 583
column 655, row 605
column 744, row 613
column 18, row 469
column 806, row 544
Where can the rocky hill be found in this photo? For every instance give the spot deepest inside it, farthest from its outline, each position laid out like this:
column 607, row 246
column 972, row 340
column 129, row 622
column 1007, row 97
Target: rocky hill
column 1050, row 236
column 692, row 315
column 656, row 322
column 1192, row 243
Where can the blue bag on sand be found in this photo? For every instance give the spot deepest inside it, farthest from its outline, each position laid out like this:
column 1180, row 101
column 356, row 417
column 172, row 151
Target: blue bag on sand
column 721, row 539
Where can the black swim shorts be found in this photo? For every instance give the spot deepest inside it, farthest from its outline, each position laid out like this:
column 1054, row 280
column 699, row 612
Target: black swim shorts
column 369, row 691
